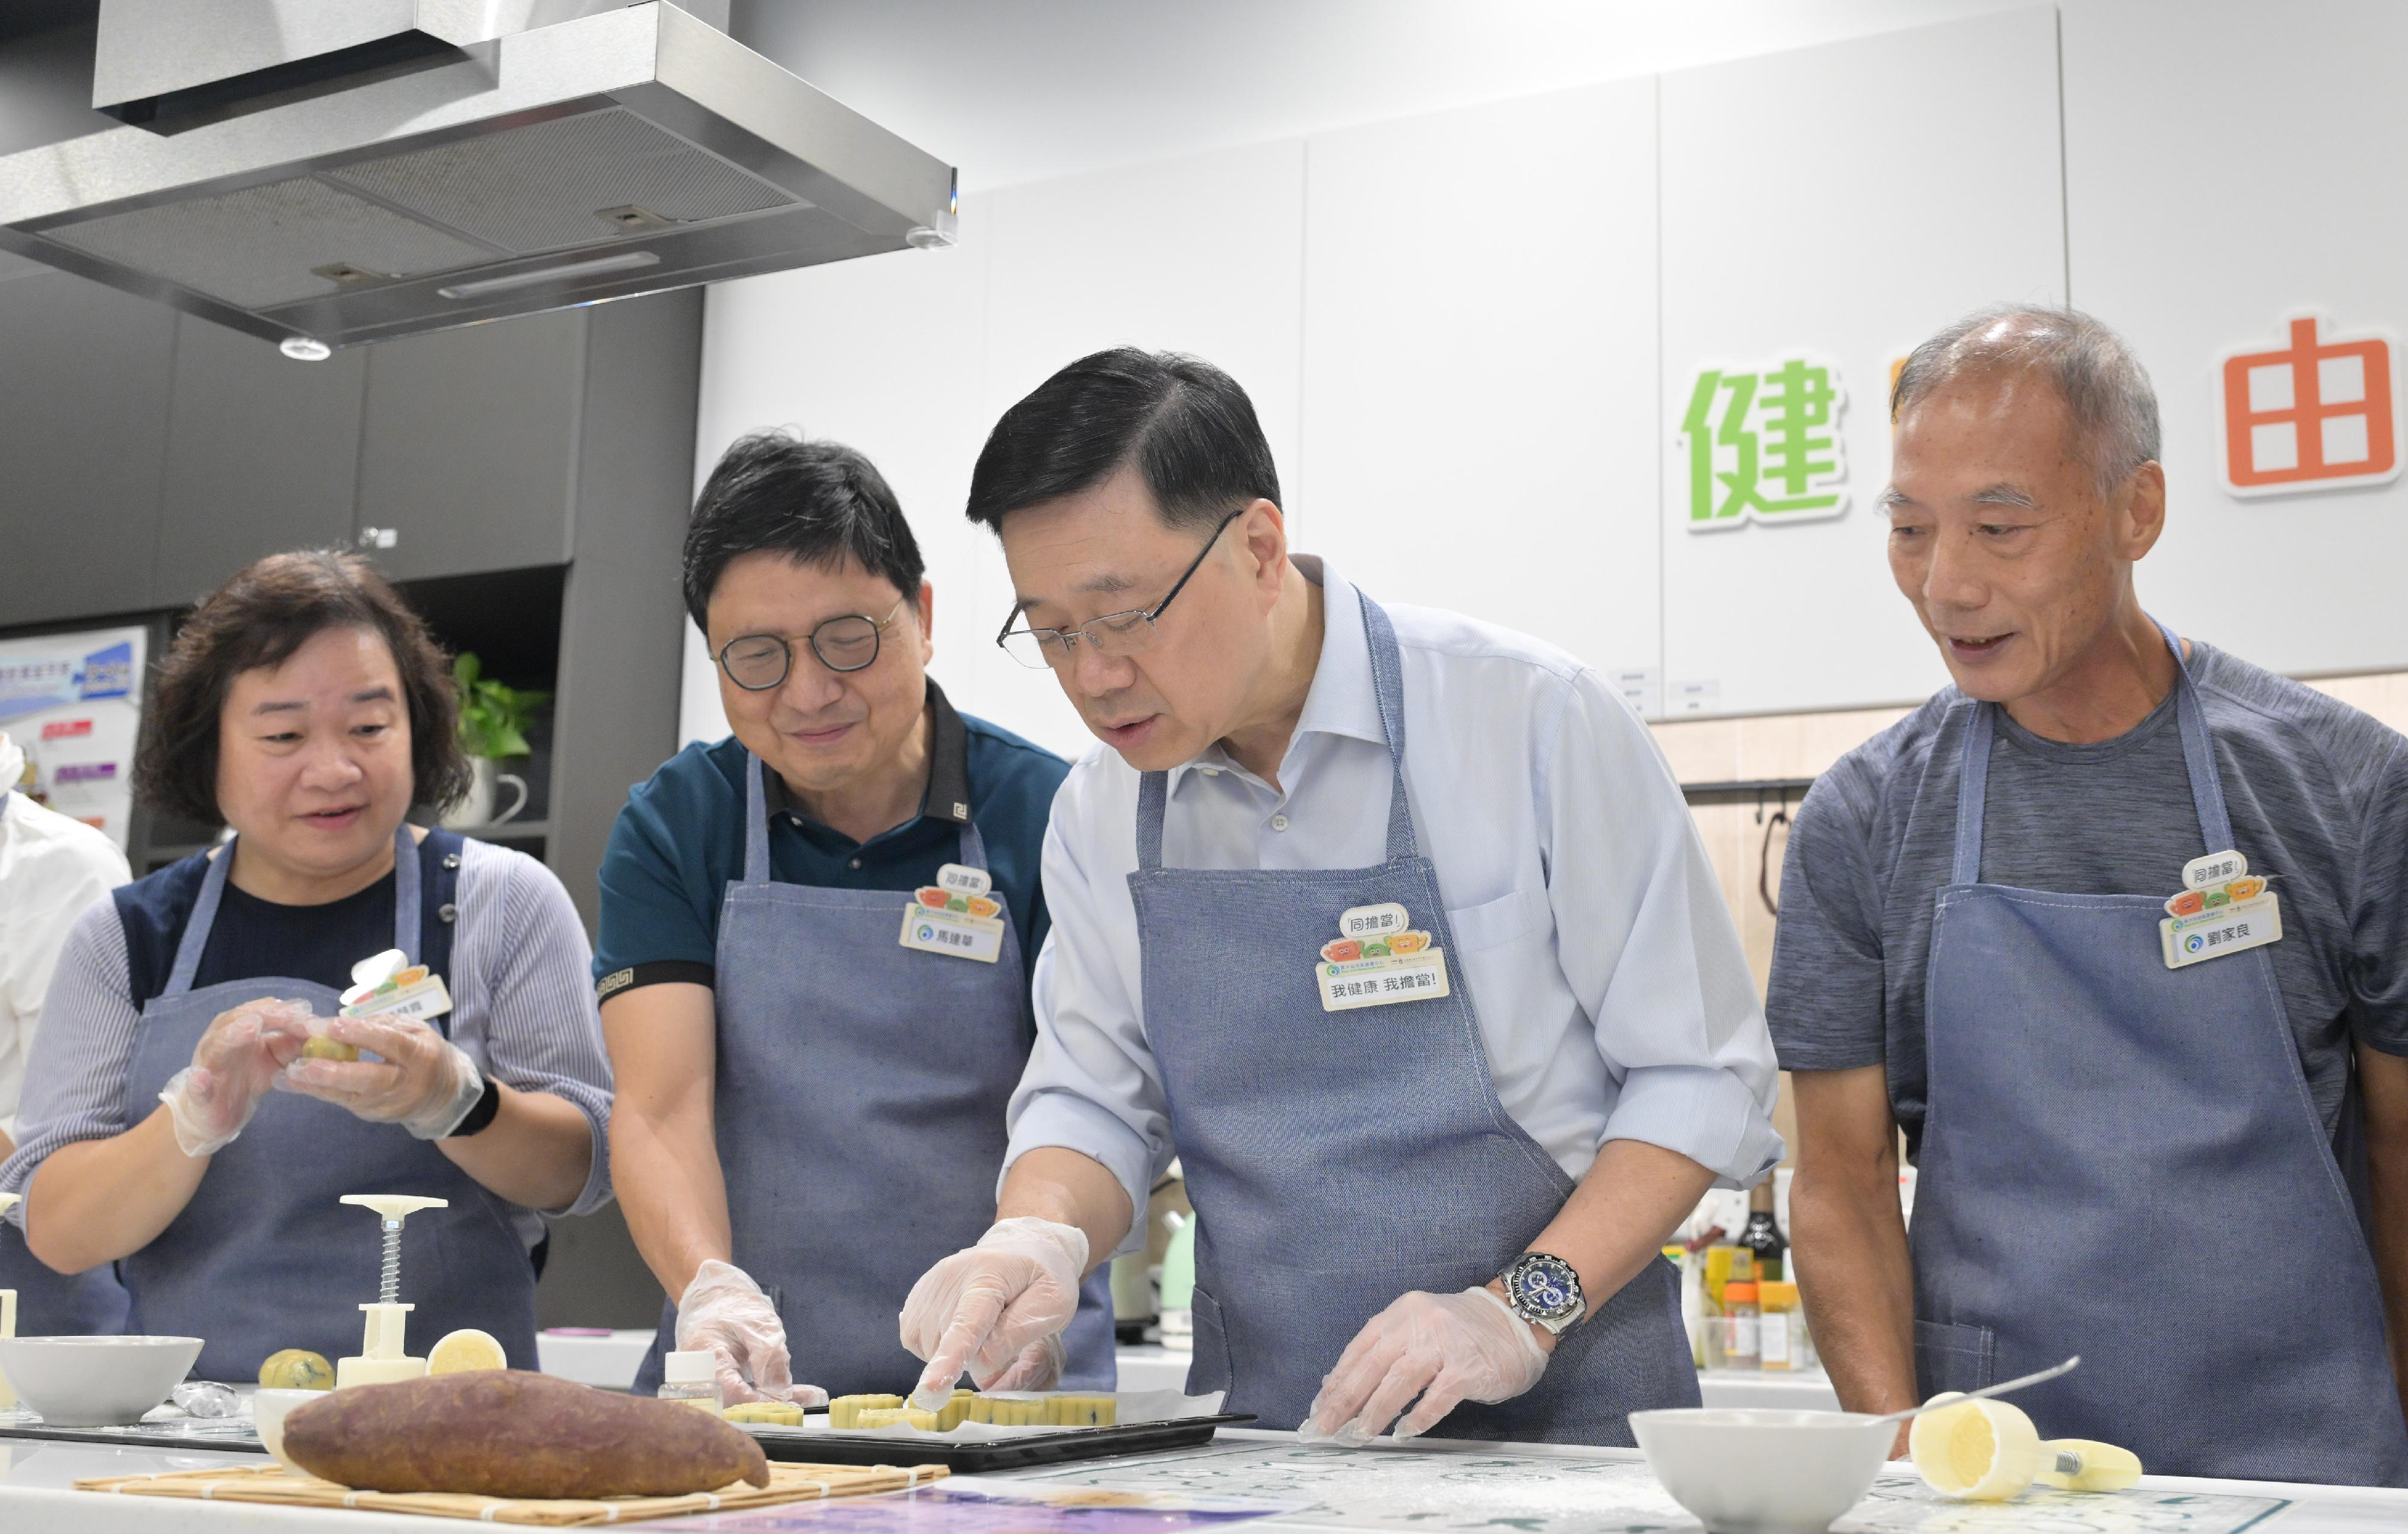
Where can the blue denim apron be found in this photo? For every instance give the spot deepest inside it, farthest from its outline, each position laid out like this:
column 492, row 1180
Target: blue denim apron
column 1339, row 1160
column 265, row 1257
column 859, row 1107
column 2123, row 1160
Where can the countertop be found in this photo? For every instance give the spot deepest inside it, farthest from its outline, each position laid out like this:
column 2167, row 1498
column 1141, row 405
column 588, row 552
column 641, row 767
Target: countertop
column 611, row 1358
column 1429, row 1487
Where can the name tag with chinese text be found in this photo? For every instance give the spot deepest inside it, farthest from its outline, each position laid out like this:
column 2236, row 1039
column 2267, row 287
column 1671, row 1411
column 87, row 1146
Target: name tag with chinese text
column 952, row 932
column 1382, row 981
column 2226, row 930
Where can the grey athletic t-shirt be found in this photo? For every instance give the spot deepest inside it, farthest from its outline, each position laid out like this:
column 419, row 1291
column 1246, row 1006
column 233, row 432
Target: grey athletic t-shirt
column 2316, row 790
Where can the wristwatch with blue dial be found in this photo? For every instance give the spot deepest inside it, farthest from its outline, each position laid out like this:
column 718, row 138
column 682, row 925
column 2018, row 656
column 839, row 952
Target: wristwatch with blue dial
column 1544, row 1291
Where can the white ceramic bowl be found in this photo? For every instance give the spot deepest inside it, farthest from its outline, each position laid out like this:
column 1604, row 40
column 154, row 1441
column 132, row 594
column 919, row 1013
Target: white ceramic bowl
column 267, row 1409
column 1764, row 1471
column 95, row 1381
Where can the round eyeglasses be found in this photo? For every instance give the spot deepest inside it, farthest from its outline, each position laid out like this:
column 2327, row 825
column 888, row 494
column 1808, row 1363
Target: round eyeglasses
column 759, row 661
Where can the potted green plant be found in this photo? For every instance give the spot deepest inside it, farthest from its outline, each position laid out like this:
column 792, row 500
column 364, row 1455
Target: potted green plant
column 493, row 721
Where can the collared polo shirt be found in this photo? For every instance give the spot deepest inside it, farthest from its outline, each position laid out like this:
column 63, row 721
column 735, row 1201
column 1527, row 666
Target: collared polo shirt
column 680, row 841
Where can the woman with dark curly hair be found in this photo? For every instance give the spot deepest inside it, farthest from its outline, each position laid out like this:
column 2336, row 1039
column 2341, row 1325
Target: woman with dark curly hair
column 194, row 1107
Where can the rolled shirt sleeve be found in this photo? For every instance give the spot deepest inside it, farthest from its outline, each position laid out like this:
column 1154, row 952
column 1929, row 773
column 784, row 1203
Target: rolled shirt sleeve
column 536, row 1028
column 75, row 1078
column 1091, row 1084
column 1648, row 947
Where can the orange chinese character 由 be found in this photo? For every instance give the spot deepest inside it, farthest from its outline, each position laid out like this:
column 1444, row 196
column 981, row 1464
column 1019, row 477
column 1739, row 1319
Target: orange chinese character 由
column 2314, row 414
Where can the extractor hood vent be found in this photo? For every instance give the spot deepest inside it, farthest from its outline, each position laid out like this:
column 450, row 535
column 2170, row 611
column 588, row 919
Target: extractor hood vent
column 628, row 151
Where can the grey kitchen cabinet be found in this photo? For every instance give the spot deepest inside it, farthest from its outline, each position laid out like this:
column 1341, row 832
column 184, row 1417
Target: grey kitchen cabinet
column 262, row 456
column 469, row 450
column 83, row 434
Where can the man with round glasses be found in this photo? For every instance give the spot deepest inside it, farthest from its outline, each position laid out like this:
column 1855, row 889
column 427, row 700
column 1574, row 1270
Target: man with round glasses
column 1390, row 924
column 811, row 1084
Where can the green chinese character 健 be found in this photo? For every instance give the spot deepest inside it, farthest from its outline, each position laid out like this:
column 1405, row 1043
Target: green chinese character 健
column 1771, row 450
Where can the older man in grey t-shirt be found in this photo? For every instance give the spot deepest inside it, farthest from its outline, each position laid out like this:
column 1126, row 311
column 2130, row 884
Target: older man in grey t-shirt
column 2187, row 1160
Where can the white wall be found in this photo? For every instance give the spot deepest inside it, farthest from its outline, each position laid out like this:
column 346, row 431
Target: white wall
column 1473, row 362
column 2249, row 170
column 1487, row 317
column 1837, row 202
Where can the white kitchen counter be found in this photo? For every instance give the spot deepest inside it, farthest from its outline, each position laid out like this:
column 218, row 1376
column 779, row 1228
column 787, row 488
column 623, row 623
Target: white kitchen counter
column 1152, row 1368
column 1810, row 1391
column 1440, row 1486
column 609, row 1360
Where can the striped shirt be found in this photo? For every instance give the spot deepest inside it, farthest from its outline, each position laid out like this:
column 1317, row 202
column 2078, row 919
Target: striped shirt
column 523, row 1007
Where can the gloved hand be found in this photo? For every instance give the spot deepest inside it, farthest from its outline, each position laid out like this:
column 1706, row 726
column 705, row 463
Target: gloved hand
column 425, row 1082
column 724, row 1311
column 996, row 1309
column 1445, row 1348
column 241, row 1055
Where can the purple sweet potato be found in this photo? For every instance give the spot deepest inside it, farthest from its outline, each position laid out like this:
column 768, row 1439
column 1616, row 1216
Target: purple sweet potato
column 511, row 1433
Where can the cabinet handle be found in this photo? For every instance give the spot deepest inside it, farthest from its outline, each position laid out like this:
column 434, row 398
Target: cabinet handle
column 379, row 537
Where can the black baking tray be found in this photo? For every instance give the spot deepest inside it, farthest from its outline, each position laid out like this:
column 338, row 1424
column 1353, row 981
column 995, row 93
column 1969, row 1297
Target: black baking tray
column 995, row 1453
column 230, row 1435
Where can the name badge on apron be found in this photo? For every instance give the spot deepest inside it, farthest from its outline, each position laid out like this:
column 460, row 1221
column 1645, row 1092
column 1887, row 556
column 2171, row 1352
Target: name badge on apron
column 2223, row 909
column 955, row 916
column 387, row 985
column 1378, row 958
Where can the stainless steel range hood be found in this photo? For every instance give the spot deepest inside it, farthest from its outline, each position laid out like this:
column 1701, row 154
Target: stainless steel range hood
column 347, row 172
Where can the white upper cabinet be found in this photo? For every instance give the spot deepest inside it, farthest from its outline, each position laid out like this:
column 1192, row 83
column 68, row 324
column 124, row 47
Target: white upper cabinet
column 1479, row 365
column 1830, row 207
column 2231, row 168
column 1202, row 255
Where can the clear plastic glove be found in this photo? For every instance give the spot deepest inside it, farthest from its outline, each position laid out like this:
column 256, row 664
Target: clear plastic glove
column 996, row 1309
column 425, row 1082
column 242, row 1055
column 1445, row 1348
column 206, row 1399
column 723, row 1311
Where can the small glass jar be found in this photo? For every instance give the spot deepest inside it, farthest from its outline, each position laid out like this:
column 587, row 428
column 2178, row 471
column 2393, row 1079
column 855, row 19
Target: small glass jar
column 1781, row 1330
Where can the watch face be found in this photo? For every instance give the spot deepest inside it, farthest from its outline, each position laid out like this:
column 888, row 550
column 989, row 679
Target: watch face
column 1547, row 1286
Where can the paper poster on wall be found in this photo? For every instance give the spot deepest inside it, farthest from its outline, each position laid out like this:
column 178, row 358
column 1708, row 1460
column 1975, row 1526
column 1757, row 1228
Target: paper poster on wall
column 1762, row 443
column 73, row 702
column 2317, row 411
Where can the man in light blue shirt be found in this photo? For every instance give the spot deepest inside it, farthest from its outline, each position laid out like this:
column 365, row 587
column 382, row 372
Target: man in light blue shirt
column 1324, row 828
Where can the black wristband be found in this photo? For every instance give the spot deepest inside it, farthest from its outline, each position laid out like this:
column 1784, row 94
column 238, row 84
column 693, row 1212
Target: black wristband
column 482, row 1114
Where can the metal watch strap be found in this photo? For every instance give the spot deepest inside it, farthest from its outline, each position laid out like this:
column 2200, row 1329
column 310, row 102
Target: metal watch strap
column 1564, row 1275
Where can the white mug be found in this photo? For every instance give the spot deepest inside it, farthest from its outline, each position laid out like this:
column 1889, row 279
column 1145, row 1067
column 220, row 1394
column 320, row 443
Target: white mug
column 476, row 807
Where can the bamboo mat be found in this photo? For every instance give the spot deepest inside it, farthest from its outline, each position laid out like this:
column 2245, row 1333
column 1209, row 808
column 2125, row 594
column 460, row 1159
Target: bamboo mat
column 275, row 1483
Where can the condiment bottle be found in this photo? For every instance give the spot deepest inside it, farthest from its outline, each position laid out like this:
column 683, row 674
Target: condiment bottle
column 1741, row 1342
column 1762, row 1236
column 1781, row 1329
column 692, row 1378
column 1726, row 1264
